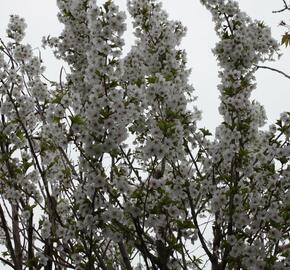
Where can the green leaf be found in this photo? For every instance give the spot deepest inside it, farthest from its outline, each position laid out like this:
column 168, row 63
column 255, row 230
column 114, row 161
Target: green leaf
column 19, row 133
column 57, row 99
column 26, row 165
column 113, row 84
column 243, row 153
column 279, row 123
column 56, row 119
column 226, row 35
column 166, row 126
column 3, row 138
column 5, row 254
column 67, row 172
column 5, row 157
column 261, row 24
column 205, row 132
column 285, row 39
column 76, row 119
column 107, row 5
column 106, row 112
column 46, row 146
column 151, row 79
column 229, row 91
column 67, row 13
column 78, row 248
column 32, row 262
column 283, row 160
column 139, row 82
column 98, row 73
column 185, row 224
column 171, row 114
column 137, row 194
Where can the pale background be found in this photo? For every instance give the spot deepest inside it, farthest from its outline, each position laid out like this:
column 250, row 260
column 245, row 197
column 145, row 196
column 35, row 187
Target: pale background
column 273, row 90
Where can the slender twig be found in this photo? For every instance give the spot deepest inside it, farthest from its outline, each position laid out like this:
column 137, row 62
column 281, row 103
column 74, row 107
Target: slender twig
column 211, row 256
column 286, row 7
column 273, row 69
column 129, row 162
column 6, row 262
column 193, row 159
column 229, row 24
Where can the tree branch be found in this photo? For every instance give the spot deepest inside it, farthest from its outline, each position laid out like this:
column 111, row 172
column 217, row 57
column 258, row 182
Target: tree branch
column 273, row 69
column 30, row 238
column 286, row 7
column 125, row 256
column 7, row 262
column 7, row 234
column 210, row 255
column 16, row 237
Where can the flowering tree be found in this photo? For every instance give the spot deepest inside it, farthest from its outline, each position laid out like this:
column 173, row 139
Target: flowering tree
column 106, row 168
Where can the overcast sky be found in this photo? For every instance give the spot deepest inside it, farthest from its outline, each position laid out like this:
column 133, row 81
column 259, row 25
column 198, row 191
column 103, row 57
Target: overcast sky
column 273, row 90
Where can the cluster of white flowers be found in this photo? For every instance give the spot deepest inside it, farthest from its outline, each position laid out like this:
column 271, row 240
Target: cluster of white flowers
column 16, row 27
column 155, row 70
column 248, row 200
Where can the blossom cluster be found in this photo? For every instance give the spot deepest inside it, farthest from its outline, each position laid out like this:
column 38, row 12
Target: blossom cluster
column 249, row 187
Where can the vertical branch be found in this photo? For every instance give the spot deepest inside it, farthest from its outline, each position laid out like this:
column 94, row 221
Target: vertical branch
column 5, row 228
column 16, row 237
column 125, row 256
column 52, row 216
column 101, row 262
column 51, row 202
column 30, row 239
column 213, row 259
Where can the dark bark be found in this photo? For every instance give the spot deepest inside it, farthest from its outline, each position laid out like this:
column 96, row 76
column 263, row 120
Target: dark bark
column 16, row 238
column 125, row 256
column 30, row 239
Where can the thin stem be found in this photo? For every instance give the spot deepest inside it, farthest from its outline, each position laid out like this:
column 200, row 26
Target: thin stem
column 286, row 7
column 273, row 69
